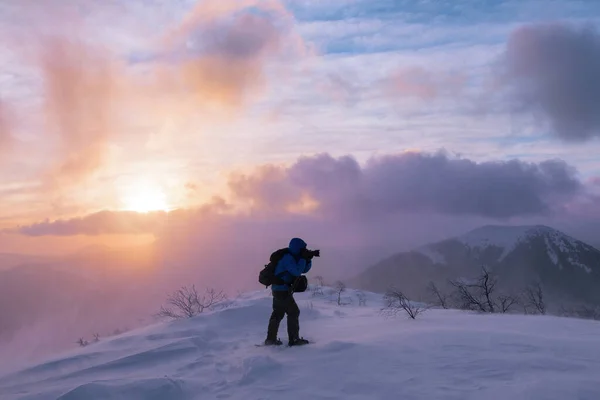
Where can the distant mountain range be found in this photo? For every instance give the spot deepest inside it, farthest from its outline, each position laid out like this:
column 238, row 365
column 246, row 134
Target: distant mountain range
column 568, row 268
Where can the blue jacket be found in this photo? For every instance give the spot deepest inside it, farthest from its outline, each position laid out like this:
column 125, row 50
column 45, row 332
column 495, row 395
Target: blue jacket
column 291, row 265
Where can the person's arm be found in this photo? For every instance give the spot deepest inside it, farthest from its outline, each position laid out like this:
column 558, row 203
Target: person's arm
column 294, row 268
column 308, row 266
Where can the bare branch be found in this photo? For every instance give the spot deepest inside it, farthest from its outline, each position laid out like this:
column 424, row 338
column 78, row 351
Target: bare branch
column 187, row 303
column 477, row 296
column 317, row 288
column 468, row 300
column 441, row 300
column 82, row 342
column 582, row 311
column 506, row 302
column 362, row 299
column 320, row 280
column 211, row 299
column 396, row 301
column 535, row 297
column 487, row 284
column 340, row 287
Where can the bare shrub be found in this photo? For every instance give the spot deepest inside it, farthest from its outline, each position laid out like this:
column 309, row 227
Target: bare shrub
column 187, row 302
column 440, row 299
column 583, row 311
column 317, row 288
column 506, row 302
column 340, row 287
column 362, row 299
column 477, row 296
column 467, row 299
column 320, row 280
column 82, row 342
column 396, row 301
column 534, row 297
column 96, row 337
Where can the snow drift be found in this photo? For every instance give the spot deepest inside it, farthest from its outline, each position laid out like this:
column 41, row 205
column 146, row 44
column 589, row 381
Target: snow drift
column 356, row 354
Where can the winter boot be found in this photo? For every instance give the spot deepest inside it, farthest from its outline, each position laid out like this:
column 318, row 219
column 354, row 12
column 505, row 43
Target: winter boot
column 297, row 342
column 273, row 342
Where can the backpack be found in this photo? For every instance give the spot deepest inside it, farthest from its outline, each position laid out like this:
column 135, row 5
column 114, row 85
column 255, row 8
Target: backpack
column 267, row 274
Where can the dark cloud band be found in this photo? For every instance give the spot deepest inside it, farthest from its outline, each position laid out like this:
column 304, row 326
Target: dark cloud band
column 554, row 70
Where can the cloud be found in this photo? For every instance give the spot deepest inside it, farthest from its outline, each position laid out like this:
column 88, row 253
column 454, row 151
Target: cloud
column 100, row 223
column 219, row 58
column 108, row 222
column 424, row 84
column 81, row 101
column 341, row 189
column 224, row 51
column 553, row 70
column 412, row 182
column 6, row 138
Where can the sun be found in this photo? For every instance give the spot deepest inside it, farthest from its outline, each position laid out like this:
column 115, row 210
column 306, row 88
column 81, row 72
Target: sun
column 144, row 197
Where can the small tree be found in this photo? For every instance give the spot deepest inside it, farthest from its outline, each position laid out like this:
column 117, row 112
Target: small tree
column 506, row 302
column 317, row 288
column 320, row 280
column 362, row 299
column 340, row 287
column 396, row 301
column 440, row 299
column 96, row 337
column 210, row 299
column 82, row 342
column 187, row 302
column 534, row 296
column 478, row 295
column 468, row 300
column 582, row 311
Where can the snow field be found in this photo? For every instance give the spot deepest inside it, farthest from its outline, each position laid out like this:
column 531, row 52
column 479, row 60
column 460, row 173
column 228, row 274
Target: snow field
column 357, row 354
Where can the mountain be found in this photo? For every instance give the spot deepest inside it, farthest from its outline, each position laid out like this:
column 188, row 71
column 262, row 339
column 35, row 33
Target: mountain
column 11, row 260
column 568, row 268
column 356, row 353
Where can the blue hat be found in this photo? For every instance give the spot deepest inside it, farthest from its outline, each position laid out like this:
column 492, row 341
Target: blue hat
column 296, row 245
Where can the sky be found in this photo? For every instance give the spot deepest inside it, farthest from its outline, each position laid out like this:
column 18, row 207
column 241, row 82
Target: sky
column 343, row 109
column 196, row 137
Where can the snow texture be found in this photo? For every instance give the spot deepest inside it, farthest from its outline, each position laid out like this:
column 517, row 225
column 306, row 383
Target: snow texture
column 551, row 253
column 357, row 354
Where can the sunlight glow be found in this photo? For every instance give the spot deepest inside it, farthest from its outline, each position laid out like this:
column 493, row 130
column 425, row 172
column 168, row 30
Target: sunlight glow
column 144, row 197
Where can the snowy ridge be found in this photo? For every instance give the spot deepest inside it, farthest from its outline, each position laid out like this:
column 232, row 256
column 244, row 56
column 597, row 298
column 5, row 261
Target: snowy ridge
column 435, row 256
column 509, row 238
column 505, row 237
column 356, row 354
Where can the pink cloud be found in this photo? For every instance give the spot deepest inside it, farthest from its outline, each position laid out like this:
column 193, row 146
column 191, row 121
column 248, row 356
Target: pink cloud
column 339, row 188
column 413, row 182
column 220, row 58
column 424, row 84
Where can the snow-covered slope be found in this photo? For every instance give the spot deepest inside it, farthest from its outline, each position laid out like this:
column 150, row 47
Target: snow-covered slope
column 356, row 354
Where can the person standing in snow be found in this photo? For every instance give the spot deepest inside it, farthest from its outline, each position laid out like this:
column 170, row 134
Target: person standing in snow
column 297, row 261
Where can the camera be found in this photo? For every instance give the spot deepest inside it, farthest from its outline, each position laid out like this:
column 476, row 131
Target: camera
column 309, row 254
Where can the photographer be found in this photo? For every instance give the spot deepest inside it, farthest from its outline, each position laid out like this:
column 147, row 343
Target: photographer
column 296, row 261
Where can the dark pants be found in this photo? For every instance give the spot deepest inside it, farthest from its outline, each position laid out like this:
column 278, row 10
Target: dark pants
column 284, row 303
